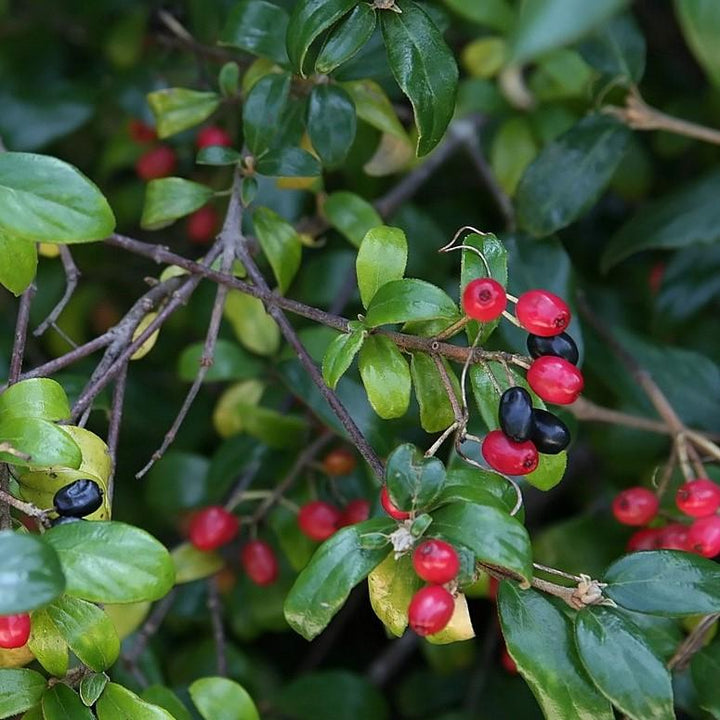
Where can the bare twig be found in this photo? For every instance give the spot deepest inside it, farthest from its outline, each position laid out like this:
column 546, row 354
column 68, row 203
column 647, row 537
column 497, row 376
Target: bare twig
column 72, row 275
column 215, row 608
column 113, row 436
column 24, row 507
column 692, row 643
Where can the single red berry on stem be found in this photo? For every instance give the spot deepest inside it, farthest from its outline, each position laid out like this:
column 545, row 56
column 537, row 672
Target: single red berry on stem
column 635, row 506
column 645, row 539
column 555, row 380
column 156, row 163
column 484, row 299
column 430, row 610
column 212, row 135
column 542, row 313
column 203, row 224
column 141, row 132
column 673, row 537
column 212, row 527
column 14, row 630
column 704, row 536
column 318, row 520
column 339, row 461
column 698, row 498
column 389, row 506
column 436, row 561
column 355, row 511
column 509, row 457
column 259, row 562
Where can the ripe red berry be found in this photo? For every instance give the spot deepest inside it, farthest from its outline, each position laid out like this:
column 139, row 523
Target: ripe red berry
column 484, row 299
column 509, row 457
column 259, row 562
column 635, row 506
column 542, row 313
column 390, row 508
column 318, row 520
column 203, row 224
column 156, row 163
column 14, row 630
column 430, row 610
column 645, row 539
column 698, row 498
column 673, row 537
column 436, row 561
column 355, row 511
column 555, row 380
column 212, row 527
column 339, row 461
column 704, row 536
column 508, row 663
column 141, row 132
column 212, row 135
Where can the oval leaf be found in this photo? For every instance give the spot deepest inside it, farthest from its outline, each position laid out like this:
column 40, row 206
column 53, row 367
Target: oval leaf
column 280, row 243
column 38, row 397
column 20, row 689
column 254, row 327
column 382, row 257
column 436, row 412
column 385, row 375
column 91, row 687
column 346, row 38
column 61, row 703
column 168, row 199
column 118, row 703
column 339, row 356
column 258, row 27
column 331, row 123
column 700, row 23
column 391, row 586
column 18, row 262
column 413, row 481
column 288, row 162
column 177, row 109
column 351, row 215
column 374, row 107
column 220, row 699
column 408, row 299
column 192, row 564
column 263, row 107
column 43, row 442
column 48, row 645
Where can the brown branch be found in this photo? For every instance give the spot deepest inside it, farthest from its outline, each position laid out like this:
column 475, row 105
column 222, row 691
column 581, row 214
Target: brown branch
column 215, row 608
column 113, row 436
column 24, row 507
column 694, row 642
column 72, row 275
column 584, row 409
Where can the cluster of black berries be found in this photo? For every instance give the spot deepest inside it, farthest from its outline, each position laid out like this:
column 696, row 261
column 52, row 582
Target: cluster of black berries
column 76, row 500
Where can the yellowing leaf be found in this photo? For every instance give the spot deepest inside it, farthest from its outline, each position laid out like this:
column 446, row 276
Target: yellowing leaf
column 149, row 344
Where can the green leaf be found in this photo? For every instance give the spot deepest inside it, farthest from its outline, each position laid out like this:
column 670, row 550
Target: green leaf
column 38, row 397
column 339, row 356
column 258, row 27
column 413, row 481
column 177, row 109
column 346, row 38
column 118, row 703
column 168, row 199
column 665, row 582
column 61, row 703
column 617, row 49
column 351, row 215
column 382, row 257
column 424, row 68
column 253, row 327
column 622, row 665
column 48, row 645
column 570, row 174
column 700, row 23
column 280, row 243
column 230, row 362
column 220, row 699
column 374, row 107
column 288, row 162
column 385, row 375
column 45, row 443
column 482, row 487
column 18, row 262
column 494, row 536
column 91, row 687
column 705, row 670
column 407, row 300
column 331, row 123
column 391, row 586
column 308, row 20
column 549, row 472
column 263, row 107
column 495, row 14
column 276, row 429
column 339, row 564
column 31, row 576
column 436, row 412
column 192, row 564
column 513, row 148
column 45, row 199
column 539, row 638
column 218, row 155
column 110, row 562
column 542, row 26
column 20, row 689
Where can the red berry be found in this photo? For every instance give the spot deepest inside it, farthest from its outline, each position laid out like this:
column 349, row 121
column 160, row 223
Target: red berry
column 507, row 662
column 484, row 299
column 507, row 456
column 340, row 461
column 645, row 539
column 436, row 561
column 212, row 135
column 555, row 380
column 704, row 536
column 390, row 508
column 542, row 313
column 212, row 527
column 14, row 630
column 318, row 520
column 698, row 498
column 430, row 610
column 259, row 562
column 355, row 511
column 203, row 224
column 141, row 132
column 635, row 506
column 156, row 163
column 673, row 537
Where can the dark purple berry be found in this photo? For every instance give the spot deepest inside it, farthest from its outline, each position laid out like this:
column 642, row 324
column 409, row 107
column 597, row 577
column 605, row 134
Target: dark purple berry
column 515, row 414
column 549, row 433
column 78, row 499
column 561, row 345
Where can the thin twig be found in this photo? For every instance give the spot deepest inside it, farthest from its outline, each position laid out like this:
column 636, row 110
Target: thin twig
column 72, row 275
column 151, row 626
column 215, row 608
column 113, row 436
column 24, row 507
column 692, row 643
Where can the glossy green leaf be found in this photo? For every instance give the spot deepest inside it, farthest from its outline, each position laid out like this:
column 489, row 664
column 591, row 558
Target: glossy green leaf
column 91, row 687
column 413, row 481
column 280, row 243
column 218, row 155
column 700, row 23
column 331, row 123
column 542, row 26
column 513, row 148
column 119, row 703
column 48, row 645
column 229, row 362
column 192, row 564
column 62, row 703
column 231, row 407
column 262, row 109
column 44, row 442
column 622, row 665
column 382, row 257
column 570, row 174
column 18, row 262
column 391, row 586
column 110, row 562
column 229, row 78
column 617, row 49
column 308, row 20
column 31, row 576
column 436, row 412
column 406, row 300
column 374, row 107
column 339, row 356
column 220, row 699
column 385, row 375
column 539, row 638
column 705, row 670
column 177, row 109
column 253, row 327
column 472, row 485
column 351, row 215
column 288, row 162
column 549, row 472
column 494, row 536
column 495, row 14
column 38, row 397
column 258, row 27
column 20, row 689
column 168, row 199
column 45, row 199
column 338, row 565
column 346, row 38
column 424, row 67
column 276, row 429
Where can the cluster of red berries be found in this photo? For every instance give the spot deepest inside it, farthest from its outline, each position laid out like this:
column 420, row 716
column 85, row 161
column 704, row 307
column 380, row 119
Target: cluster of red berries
column 698, row 499
column 318, row 519
column 553, row 375
column 14, row 630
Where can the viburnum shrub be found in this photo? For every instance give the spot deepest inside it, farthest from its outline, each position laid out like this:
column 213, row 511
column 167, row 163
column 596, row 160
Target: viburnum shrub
column 258, row 389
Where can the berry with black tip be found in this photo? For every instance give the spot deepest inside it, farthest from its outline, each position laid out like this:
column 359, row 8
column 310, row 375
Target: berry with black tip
column 698, row 498
column 390, row 508
column 318, row 520
column 14, row 630
column 549, row 433
column 704, row 536
column 436, row 561
column 78, row 499
column 542, row 313
column 430, row 610
column 484, row 299
column 212, row 527
column 555, row 380
column 515, row 413
column 508, row 457
column 259, row 562
column 561, row 345
column 635, row 506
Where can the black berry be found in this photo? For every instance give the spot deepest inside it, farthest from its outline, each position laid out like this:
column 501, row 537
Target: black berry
column 515, row 414
column 549, row 433
column 64, row 520
column 78, row 499
column 561, row 345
